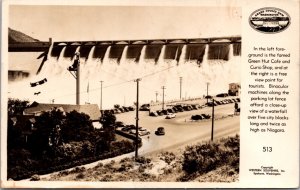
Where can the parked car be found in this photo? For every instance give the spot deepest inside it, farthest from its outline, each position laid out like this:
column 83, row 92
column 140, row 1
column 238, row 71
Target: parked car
column 126, row 128
column 175, row 110
column 206, row 116
column 121, row 110
column 116, row 111
column 170, row 116
column 160, row 113
column 194, row 107
column 160, row 131
column 222, row 95
column 125, row 109
column 196, row 117
column 165, row 112
column 170, row 110
column 131, row 126
column 187, row 108
column 210, row 104
column 145, row 107
column 180, row 109
column 200, row 106
column 144, row 131
column 230, row 101
column 153, row 114
column 130, row 108
column 119, row 124
column 218, row 102
column 141, row 131
column 132, row 131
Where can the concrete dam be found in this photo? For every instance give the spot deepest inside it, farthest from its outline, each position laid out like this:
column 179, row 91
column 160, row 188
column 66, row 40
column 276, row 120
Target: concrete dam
column 191, row 49
column 158, row 62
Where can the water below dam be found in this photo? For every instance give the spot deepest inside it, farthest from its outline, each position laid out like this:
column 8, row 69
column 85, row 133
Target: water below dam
column 119, row 66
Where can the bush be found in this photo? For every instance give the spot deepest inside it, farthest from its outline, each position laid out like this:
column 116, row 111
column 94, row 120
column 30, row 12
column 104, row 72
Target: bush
column 143, row 160
column 21, row 164
column 107, row 177
column 168, row 157
column 35, row 178
column 125, row 160
column 80, row 176
column 203, row 158
column 77, row 169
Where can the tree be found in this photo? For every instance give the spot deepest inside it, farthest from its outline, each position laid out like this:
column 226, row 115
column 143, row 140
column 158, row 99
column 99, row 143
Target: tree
column 16, row 106
column 13, row 135
column 108, row 121
column 77, row 127
column 47, row 135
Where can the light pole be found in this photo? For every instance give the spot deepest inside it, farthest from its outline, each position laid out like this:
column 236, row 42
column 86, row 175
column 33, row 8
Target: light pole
column 78, row 83
column 180, row 78
column 212, row 120
column 156, row 94
column 163, row 97
column 137, row 118
column 207, row 92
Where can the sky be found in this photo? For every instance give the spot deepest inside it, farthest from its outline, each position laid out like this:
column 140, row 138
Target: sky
column 70, row 23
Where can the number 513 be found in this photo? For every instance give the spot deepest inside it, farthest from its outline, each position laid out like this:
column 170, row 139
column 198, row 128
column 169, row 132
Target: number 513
column 267, row 149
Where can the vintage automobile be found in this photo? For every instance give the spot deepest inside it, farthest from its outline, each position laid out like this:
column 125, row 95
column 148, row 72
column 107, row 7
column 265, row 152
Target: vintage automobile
column 170, row 115
column 160, row 131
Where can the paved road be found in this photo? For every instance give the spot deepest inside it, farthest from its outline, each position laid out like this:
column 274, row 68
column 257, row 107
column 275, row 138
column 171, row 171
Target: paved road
column 181, row 130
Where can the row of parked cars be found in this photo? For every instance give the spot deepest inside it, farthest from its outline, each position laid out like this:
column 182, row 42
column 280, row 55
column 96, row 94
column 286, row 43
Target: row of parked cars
column 175, row 109
column 119, row 110
column 221, row 102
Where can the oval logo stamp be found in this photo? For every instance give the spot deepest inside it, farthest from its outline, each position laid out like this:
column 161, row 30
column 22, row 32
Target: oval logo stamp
column 269, row 20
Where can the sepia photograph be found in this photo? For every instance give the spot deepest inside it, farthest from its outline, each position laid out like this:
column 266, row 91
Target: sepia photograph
column 120, row 93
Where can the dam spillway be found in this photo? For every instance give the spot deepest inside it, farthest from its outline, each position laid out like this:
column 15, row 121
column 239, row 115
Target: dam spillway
column 117, row 63
column 195, row 48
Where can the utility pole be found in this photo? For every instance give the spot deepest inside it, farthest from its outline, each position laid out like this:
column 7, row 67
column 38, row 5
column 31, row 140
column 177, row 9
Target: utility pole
column 76, row 69
column 212, row 120
column 156, row 94
column 101, row 97
column 163, row 98
column 207, row 92
column 137, row 118
column 180, row 78
column 77, row 58
column 78, row 85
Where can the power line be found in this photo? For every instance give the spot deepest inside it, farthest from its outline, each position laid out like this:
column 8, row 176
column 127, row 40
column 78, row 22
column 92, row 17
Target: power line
column 117, row 84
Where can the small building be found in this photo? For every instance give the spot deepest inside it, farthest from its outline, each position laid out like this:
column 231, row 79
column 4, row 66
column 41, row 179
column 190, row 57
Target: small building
column 92, row 110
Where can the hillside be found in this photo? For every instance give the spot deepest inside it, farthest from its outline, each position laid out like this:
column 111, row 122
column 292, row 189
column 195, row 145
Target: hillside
column 15, row 36
column 203, row 162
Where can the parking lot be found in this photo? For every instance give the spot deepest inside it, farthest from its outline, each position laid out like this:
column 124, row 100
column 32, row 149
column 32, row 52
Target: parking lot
column 181, row 130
